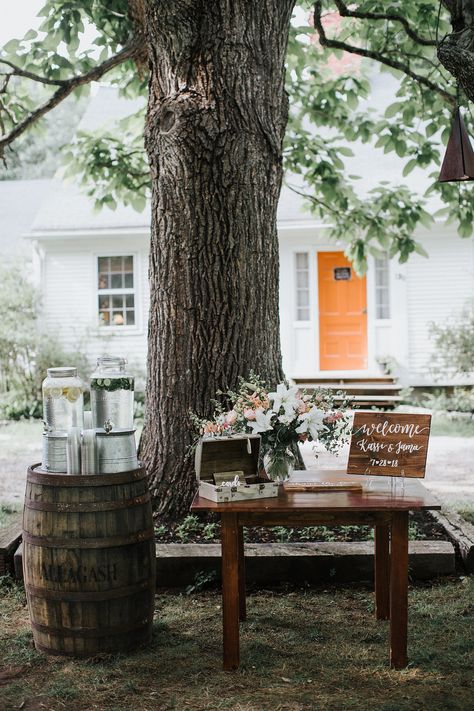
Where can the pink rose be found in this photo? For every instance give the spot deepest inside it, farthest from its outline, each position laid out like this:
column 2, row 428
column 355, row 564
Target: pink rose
column 231, row 417
column 302, row 407
column 333, row 417
column 249, row 414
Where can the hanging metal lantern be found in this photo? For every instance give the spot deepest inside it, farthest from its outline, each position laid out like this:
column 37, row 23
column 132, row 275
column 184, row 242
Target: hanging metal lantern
column 458, row 163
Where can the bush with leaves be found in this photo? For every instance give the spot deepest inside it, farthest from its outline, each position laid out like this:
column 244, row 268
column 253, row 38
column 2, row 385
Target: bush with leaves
column 25, row 354
column 454, row 344
column 460, row 400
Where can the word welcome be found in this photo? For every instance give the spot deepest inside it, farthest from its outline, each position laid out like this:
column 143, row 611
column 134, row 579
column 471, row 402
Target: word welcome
column 385, row 428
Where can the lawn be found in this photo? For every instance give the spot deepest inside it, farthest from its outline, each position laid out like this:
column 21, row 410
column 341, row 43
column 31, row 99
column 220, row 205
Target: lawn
column 6, row 511
column 444, row 426
column 302, row 650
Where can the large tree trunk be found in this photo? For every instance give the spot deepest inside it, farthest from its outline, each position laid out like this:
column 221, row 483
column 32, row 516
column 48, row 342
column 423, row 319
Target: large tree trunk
column 216, row 118
column 456, row 50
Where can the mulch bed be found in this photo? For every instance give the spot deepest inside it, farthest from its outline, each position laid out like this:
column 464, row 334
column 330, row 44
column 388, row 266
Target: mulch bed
column 205, row 528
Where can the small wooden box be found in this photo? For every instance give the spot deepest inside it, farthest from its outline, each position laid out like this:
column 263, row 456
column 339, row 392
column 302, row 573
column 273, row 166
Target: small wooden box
column 228, row 454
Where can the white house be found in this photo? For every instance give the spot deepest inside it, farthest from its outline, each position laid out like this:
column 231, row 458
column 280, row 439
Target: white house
column 93, row 269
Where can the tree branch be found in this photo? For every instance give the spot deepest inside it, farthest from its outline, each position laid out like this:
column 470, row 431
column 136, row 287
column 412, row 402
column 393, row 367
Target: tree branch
column 17, row 71
column 313, row 199
column 392, row 17
column 66, row 88
column 395, row 64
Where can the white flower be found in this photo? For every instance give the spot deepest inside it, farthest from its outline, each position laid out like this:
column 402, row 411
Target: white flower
column 312, row 422
column 285, row 397
column 263, row 421
column 286, row 419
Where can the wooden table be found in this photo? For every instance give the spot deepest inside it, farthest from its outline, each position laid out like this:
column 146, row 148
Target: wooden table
column 381, row 506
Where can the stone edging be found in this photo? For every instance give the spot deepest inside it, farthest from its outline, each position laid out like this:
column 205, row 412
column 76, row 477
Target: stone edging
column 273, row 563
column 461, row 533
column 179, row 564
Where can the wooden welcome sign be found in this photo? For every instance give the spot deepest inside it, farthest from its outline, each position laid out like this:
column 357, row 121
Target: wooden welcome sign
column 389, row 444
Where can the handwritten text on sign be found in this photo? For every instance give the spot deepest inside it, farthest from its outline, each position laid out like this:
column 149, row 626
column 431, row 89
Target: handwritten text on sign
column 389, row 444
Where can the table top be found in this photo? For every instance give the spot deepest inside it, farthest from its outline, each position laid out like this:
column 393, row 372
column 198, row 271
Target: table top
column 378, row 494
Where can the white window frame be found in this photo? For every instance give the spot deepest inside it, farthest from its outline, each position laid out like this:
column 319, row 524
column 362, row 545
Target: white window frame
column 135, row 290
column 385, row 288
column 296, row 254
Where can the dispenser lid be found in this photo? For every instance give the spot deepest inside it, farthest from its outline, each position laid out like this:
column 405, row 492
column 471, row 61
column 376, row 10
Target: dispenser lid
column 63, row 372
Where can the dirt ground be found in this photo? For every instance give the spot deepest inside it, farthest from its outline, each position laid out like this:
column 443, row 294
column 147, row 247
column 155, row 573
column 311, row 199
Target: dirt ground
column 449, row 471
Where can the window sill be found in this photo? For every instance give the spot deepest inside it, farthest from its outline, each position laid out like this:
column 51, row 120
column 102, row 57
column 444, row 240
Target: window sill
column 125, row 330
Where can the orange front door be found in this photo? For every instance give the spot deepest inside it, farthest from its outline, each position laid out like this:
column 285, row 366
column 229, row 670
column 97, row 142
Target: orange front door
column 342, row 314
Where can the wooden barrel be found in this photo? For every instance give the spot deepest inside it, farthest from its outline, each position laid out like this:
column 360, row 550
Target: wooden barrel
column 88, row 561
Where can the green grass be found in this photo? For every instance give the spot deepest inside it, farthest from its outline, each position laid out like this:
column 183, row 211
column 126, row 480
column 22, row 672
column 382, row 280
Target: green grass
column 442, row 426
column 467, row 512
column 301, row 650
column 6, row 512
column 16, row 436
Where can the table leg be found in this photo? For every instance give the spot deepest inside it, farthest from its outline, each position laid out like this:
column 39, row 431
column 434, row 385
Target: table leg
column 382, row 572
column 399, row 590
column 230, row 589
column 242, row 601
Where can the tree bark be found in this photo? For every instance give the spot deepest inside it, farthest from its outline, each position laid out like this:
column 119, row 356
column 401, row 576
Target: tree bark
column 456, row 50
column 216, row 118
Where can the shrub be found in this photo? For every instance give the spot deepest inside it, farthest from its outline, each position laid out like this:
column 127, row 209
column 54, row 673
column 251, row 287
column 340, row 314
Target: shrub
column 454, row 344
column 25, row 354
column 460, row 400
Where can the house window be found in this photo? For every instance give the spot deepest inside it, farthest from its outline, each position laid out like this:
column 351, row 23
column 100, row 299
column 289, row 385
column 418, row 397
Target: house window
column 382, row 288
column 116, row 298
column 302, row 286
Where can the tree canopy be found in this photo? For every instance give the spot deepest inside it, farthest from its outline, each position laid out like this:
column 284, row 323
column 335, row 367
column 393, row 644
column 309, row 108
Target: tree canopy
column 328, row 109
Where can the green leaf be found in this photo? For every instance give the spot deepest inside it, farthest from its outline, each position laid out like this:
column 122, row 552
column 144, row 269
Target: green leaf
column 11, row 47
column 419, row 249
column 409, row 167
column 345, row 151
column 465, row 229
column 393, row 109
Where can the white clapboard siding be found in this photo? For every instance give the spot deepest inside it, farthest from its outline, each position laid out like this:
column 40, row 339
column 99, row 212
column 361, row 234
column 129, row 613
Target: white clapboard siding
column 437, row 289
column 69, row 303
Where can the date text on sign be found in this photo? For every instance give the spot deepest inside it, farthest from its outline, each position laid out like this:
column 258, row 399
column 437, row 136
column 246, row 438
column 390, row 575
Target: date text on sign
column 389, row 444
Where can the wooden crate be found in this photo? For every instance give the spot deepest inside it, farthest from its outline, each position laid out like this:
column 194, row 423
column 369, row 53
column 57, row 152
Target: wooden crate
column 228, row 454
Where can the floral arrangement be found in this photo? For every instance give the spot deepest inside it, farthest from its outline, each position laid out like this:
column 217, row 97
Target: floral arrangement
column 282, row 418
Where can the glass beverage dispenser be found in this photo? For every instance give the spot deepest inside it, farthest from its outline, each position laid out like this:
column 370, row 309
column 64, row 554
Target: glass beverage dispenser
column 63, row 400
column 112, row 394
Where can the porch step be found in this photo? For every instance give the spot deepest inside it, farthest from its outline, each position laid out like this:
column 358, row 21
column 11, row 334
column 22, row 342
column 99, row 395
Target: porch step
column 377, row 391
column 355, row 388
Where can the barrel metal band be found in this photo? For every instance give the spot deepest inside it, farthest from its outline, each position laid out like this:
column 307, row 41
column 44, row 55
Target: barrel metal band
column 91, row 633
column 92, row 595
column 35, row 476
column 87, row 506
column 109, row 542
